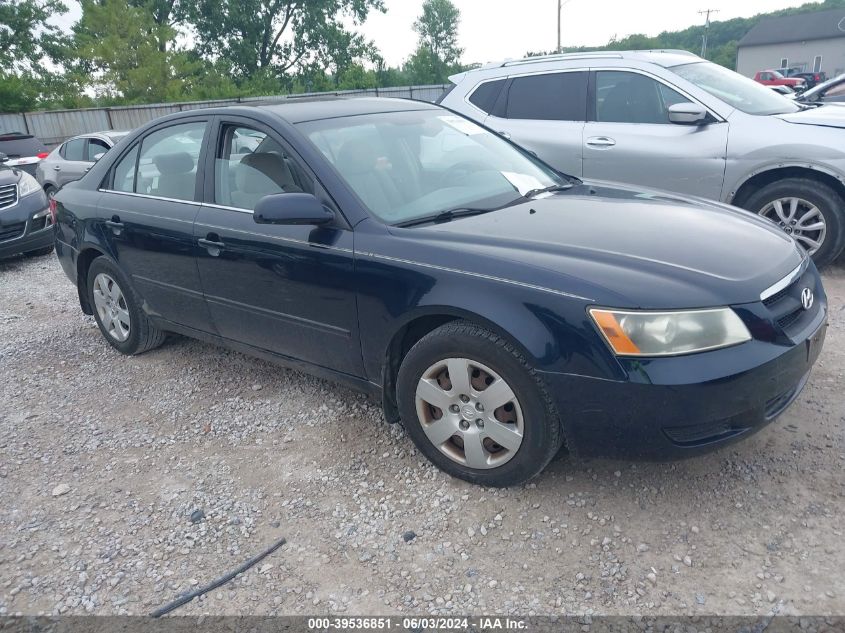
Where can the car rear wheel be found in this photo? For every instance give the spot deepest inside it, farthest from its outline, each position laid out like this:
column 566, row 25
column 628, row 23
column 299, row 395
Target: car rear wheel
column 117, row 310
column 473, row 406
column 808, row 210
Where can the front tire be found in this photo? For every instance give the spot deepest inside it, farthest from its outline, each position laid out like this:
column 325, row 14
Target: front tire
column 808, row 210
column 117, row 310
column 475, row 408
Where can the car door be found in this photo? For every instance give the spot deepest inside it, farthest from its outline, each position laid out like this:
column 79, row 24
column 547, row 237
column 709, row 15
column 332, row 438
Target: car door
column 630, row 139
column 148, row 207
column 545, row 113
column 74, row 163
column 289, row 289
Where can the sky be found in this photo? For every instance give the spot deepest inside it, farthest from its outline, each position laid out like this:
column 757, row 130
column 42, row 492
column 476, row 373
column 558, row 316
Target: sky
column 493, row 30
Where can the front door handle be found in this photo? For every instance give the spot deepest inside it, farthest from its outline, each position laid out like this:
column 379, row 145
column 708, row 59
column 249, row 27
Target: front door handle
column 213, row 246
column 600, row 141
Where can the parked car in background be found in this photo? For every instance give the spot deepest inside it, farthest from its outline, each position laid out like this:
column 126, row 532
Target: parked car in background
column 22, row 150
column 832, row 91
column 774, row 78
column 785, row 91
column 671, row 120
column 25, row 220
column 497, row 307
column 70, row 160
column 810, row 78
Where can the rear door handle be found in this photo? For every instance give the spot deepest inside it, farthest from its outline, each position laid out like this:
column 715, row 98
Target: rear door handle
column 115, row 225
column 212, row 246
column 600, row 141
column 57, row 167
column 505, row 134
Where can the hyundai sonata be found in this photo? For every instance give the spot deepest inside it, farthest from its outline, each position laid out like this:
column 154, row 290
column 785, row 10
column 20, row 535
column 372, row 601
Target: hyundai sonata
column 500, row 309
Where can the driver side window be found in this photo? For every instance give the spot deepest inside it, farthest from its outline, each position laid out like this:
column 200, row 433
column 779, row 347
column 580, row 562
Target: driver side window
column 624, row 97
column 250, row 165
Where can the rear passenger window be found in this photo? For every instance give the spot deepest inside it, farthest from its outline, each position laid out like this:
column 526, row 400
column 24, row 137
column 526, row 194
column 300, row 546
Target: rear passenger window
column 550, row 97
column 167, row 163
column 74, row 150
column 124, row 172
column 250, row 165
column 485, row 96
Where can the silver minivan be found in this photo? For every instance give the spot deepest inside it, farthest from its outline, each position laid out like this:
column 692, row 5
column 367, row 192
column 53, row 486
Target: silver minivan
column 673, row 121
column 70, row 160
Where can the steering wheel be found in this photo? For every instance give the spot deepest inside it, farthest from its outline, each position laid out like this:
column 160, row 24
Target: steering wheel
column 459, row 171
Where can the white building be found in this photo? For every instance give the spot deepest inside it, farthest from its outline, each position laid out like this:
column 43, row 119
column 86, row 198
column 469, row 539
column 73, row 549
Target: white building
column 812, row 41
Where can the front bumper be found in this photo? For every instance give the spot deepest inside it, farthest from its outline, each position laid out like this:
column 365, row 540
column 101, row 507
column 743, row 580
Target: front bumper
column 672, row 408
column 20, row 231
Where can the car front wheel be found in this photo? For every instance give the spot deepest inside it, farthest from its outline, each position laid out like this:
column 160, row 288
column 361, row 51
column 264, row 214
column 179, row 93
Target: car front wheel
column 473, row 406
column 808, row 210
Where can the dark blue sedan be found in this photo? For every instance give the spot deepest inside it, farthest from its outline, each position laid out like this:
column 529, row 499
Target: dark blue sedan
column 499, row 309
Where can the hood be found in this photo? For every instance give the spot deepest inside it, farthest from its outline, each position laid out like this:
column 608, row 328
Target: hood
column 826, row 115
column 620, row 247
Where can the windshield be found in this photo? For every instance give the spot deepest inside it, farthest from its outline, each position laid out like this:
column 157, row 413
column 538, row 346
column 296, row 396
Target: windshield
column 410, row 165
column 740, row 92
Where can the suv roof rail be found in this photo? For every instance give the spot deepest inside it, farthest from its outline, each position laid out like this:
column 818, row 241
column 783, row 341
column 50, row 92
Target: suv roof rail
column 548, row 58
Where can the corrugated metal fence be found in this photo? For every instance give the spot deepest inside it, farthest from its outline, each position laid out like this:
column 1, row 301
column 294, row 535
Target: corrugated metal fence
column 55, row 126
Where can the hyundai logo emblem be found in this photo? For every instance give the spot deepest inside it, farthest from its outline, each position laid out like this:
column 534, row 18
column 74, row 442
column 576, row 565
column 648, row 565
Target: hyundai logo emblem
column 807, row 298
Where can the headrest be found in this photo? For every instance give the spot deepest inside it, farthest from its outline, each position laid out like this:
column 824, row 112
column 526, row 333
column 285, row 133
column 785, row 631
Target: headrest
column 356, row 157
column 175, row 163
column 270, row 165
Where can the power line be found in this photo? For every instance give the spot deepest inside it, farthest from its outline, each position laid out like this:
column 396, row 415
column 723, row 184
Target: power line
column 706, row 12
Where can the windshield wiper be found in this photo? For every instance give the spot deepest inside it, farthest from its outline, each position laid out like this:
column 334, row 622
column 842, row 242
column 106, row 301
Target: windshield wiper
column 536, row 192
column 444, row 216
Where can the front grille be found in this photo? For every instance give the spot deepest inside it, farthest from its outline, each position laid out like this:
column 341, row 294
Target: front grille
column 785, row 306
column 8, row 195
column 11, row 231
column 701, row 433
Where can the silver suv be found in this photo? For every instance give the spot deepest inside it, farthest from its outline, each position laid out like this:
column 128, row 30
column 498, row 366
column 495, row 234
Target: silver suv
column 671, row 120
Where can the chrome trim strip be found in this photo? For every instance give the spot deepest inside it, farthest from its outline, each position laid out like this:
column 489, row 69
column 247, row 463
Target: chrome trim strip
column 786, row 281
column 274, row 237
column 148, row 197
column 478, row 275
column 226, row 208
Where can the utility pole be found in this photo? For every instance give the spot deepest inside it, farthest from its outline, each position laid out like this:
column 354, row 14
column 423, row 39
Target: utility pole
column 559, row 9
column 706, row 12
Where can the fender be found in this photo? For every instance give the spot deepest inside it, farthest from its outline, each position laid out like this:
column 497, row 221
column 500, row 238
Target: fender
column 782, row 164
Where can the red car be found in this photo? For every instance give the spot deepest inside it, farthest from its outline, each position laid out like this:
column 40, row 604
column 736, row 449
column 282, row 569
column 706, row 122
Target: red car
column 774, row 78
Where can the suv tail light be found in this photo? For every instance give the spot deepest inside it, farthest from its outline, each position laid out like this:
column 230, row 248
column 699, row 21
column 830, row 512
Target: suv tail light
column 53, row 205
column 43, row 155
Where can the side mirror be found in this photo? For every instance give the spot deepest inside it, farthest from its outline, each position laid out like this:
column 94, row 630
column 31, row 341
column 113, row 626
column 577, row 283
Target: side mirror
column 98, row 156
column 3, row 157
column 291, row 208
column 687, row 113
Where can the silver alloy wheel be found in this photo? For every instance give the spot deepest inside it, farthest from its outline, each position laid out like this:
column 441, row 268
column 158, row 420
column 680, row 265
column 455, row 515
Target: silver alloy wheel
column 469, row 413
column 799, row 218
column 111, row 307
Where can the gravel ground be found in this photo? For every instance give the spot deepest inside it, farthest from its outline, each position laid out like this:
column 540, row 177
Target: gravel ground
column 126, row 481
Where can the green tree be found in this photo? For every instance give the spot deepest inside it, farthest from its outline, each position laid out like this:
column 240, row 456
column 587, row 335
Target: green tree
column 275, row 37
column 119, row 47
column 438, row 53
column 27, row 39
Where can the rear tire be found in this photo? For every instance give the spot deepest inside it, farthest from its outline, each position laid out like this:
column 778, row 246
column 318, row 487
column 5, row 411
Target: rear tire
column 117, row 310
column 524, row 419
column 810, row 193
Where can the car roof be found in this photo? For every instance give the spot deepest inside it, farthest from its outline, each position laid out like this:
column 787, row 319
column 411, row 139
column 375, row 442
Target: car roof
column 113, row 135
column 666, row 58
column 295, row 110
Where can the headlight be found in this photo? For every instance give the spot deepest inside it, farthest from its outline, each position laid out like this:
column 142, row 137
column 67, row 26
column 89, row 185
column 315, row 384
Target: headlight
column 27, row 185
column 644, row 333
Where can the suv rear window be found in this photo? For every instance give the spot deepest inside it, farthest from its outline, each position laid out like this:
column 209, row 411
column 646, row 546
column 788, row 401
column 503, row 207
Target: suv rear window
column 549, row 97
column 486, row 94
column 17, row 145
